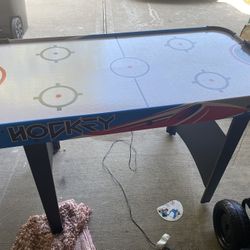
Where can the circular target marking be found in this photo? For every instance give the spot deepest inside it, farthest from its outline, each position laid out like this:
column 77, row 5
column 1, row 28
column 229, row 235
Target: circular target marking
column 180, row 44
column 211, row 80
column 55, row 53
column 129, row 67
column 2, row 75
column 240, row 54
column 57, row 96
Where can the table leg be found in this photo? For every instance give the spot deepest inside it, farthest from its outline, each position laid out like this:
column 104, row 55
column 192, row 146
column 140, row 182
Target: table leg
column 171, row 130
column 40, row 160
column 205, row 141
column 233, row 136
column 56, row 146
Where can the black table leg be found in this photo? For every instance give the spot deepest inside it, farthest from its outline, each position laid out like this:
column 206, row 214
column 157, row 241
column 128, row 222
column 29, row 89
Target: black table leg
column 56, row 146
column 40, row 160
column 234, row 134
column 171, row 130
column 211, row 148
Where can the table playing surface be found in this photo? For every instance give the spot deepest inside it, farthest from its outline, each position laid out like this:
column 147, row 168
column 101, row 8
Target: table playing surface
column 56, row 78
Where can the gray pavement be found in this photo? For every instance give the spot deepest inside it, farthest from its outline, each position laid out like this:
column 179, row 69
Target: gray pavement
column 62, row 17
column 166, row 169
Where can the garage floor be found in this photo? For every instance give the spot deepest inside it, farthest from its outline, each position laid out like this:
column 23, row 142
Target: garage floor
column 165, row 168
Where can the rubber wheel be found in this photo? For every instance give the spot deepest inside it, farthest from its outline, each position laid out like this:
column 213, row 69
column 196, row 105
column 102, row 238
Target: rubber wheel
column 16, row 28
column 231, row 225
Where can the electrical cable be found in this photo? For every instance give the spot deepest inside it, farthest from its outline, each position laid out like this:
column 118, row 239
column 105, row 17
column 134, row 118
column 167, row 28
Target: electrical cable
column 130, row 153
column 131, row 148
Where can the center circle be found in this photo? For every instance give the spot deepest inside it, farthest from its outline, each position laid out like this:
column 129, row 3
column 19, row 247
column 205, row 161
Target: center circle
column 129, row 67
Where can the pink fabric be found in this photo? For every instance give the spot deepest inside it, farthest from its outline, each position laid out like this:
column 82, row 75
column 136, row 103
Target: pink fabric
column 35, row 233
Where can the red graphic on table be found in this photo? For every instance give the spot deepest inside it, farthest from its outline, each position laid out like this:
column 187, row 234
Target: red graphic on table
column 2, row 75
column 183, row 114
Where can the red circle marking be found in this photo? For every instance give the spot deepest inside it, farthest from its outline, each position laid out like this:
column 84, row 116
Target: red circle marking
column 2, row 75
column 58, row 96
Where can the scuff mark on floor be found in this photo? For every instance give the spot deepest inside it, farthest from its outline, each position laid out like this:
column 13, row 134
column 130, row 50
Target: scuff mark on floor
column 156, row 20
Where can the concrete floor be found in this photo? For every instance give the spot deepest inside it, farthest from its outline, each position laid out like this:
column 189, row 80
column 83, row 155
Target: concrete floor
column 166, row 169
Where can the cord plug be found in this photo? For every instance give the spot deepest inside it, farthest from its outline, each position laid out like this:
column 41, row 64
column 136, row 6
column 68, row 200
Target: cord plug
column 162, row 243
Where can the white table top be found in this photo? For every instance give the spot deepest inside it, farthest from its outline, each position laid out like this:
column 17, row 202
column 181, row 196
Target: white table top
column 44, row 79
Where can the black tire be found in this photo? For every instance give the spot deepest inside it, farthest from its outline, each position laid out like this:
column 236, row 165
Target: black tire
column 16, row 28
column 231, row 225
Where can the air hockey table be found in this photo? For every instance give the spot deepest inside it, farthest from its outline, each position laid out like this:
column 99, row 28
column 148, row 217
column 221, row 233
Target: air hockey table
column 53, row 89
